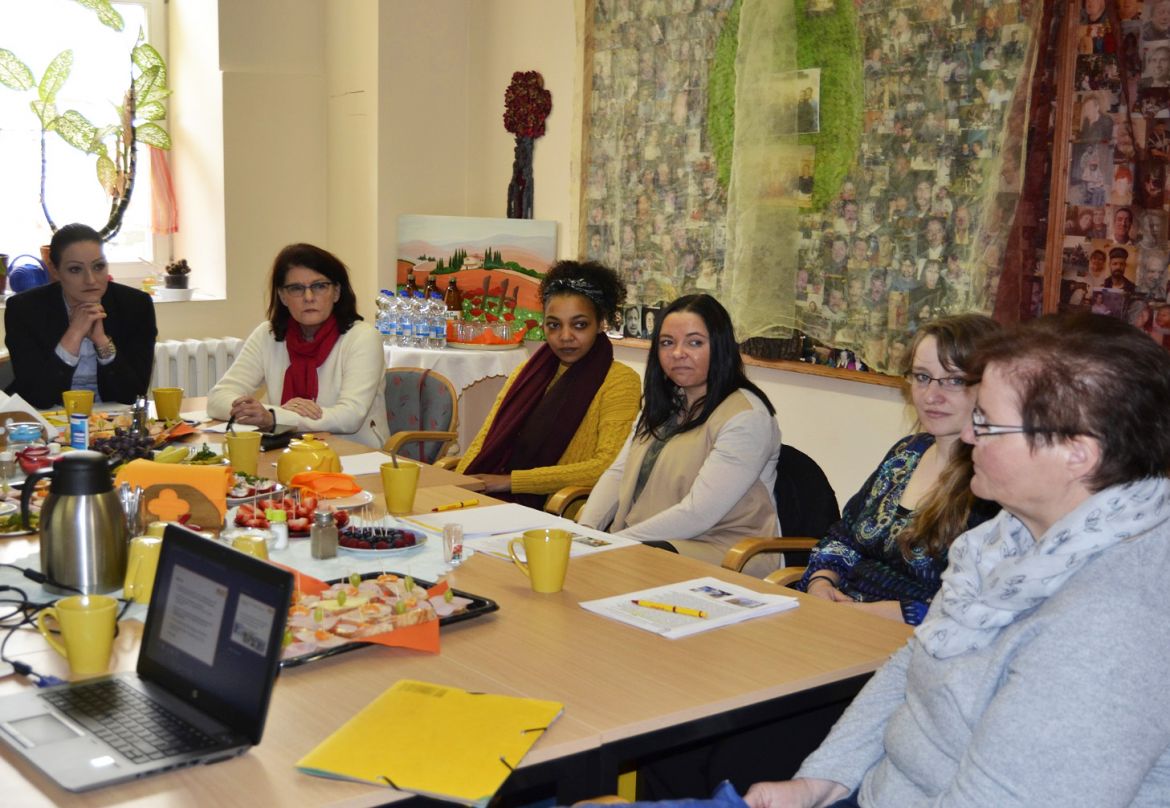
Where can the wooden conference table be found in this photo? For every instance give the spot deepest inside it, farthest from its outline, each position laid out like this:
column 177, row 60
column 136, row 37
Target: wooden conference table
column 628, row 694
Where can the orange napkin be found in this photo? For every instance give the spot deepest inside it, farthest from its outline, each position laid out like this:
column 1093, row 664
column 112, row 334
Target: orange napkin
column 170, row 490
column 420, row 637
column 326, row 484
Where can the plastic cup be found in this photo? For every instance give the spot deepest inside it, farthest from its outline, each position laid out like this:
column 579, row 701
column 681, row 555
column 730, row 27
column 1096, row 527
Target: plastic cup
column 399, row 486
column 167, row 401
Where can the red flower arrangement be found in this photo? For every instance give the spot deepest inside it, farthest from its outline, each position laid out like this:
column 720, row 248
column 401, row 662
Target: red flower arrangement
column 526, row 104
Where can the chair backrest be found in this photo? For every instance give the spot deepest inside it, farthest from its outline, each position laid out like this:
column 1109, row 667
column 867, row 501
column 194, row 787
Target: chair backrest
column 420, row 399
column 805, row 501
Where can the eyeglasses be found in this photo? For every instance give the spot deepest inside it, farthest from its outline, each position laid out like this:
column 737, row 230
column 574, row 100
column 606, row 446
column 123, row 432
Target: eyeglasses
column 299, row 289
column 922, row 381
column 981, row 429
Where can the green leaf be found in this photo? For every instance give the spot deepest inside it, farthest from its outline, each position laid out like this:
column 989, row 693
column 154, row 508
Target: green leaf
column 107, row 173
column 152, row 111
column 55, row 75
column 154, row 135
column 45, row 111
column 14, row 73
column 76, row 130
column 144, row 84
column 146, row 58
column 105, row 13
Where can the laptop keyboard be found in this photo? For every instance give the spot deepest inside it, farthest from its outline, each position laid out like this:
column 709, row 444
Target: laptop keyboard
column 128, row 721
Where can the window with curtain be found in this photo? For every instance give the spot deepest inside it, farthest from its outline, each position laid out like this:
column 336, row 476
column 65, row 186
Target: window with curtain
column 36, row 32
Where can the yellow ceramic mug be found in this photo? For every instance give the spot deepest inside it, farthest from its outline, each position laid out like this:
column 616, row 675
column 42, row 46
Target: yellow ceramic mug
column 87, row 629
column 547, row 555
column 167, row 401
column 80, row 401
column 141, row 568
column 243, row 450
column 399, row 486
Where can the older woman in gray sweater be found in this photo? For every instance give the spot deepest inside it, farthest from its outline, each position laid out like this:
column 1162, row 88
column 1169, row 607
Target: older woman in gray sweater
column 1040, row 674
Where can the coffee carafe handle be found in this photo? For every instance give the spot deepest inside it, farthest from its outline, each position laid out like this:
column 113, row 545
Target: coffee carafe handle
column 30, row 483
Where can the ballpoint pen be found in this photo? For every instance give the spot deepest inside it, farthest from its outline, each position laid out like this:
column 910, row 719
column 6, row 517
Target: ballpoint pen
column 452, row 506
column 668, row 607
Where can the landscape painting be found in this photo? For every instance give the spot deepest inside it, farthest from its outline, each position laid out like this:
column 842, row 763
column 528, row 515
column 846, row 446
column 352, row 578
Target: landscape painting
column 497, row 263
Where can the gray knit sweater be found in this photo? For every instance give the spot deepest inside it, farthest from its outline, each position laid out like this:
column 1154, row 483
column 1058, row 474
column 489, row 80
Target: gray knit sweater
column 1067, row 706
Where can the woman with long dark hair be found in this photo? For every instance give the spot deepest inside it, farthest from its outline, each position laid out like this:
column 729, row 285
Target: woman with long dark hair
column 696, row 474
column 321, row 366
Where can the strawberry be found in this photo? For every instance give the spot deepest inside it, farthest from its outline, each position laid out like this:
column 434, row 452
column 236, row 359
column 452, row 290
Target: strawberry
column 298, row 525
column 341, row 518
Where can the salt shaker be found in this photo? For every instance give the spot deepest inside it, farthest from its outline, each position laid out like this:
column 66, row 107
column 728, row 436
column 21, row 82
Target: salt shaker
column 453, row 543
column 278, row 524
column 323, row 536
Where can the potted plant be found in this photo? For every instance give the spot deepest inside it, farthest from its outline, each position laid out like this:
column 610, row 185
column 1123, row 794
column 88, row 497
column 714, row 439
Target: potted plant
column 114, row 146
column 177, row 272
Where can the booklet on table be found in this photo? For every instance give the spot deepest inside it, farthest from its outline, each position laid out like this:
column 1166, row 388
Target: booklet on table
column 689, row 607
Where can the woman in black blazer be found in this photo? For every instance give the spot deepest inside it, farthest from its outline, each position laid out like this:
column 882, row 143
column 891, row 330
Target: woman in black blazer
column 80, row 332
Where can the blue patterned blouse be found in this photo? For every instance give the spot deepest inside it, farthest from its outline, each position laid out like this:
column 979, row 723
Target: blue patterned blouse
column 863, row 549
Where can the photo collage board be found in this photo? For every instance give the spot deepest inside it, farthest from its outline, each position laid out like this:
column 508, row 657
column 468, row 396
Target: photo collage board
column 1114, row 252
column 915, row 232
column 916, row 228
column 654, row 208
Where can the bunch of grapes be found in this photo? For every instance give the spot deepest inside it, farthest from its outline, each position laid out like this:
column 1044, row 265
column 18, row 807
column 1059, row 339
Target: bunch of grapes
column 124, row 447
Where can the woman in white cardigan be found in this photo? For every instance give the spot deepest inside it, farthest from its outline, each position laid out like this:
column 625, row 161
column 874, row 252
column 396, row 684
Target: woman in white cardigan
column 316, row 365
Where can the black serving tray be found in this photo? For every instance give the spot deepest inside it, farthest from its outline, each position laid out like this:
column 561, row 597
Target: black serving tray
column 478, row 608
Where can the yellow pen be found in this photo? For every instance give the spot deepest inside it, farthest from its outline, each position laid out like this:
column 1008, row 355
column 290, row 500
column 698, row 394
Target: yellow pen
column 667, row 607
column 452, row 506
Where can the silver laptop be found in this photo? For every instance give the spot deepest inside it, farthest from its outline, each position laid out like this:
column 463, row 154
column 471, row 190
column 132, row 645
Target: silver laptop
column 208, row 662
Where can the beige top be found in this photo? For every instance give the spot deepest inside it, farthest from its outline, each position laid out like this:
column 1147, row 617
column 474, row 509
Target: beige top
column 710, row 487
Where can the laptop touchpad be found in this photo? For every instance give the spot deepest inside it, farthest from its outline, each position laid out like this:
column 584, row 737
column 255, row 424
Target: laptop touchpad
column 38, row 730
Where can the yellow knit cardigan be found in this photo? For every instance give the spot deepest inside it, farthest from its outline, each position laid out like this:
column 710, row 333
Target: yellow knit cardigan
column 594, row 445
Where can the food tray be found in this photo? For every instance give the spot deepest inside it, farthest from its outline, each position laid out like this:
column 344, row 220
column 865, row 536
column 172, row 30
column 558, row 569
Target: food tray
column 478, row 608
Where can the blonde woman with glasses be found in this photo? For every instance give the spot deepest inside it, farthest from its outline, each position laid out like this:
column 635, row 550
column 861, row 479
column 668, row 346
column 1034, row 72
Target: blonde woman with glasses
column 320, row 367
column 889, row 550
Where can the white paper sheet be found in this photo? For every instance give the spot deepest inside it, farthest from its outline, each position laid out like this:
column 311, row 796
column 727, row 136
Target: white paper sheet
column 491, row 520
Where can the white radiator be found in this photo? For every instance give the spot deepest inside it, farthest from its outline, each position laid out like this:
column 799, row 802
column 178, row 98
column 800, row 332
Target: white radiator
column 193, row 364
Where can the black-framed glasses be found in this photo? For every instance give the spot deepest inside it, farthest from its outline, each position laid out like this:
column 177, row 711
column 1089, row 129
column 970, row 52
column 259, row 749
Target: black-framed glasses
column 299, row 289
column 923, row 380
column 981, row 429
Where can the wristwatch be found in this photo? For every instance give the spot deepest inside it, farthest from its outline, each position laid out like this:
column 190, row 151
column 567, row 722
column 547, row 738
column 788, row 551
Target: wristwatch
column 107, row 352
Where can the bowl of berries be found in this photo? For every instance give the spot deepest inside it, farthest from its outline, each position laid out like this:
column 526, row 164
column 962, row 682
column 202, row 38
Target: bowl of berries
column 376, row 541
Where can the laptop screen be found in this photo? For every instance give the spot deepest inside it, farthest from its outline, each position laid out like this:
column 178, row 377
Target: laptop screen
column 214, row 630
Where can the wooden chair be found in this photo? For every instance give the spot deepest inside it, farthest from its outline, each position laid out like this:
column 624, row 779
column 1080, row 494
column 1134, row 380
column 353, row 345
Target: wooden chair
column 422, row 409
column 807, row 506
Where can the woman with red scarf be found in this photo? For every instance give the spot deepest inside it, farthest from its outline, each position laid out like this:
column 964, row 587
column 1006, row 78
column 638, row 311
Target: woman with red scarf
column 564, row 414
column 320, row 368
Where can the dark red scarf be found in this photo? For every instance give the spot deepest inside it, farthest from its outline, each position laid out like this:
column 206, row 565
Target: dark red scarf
column 532, row 427
column 305, row 356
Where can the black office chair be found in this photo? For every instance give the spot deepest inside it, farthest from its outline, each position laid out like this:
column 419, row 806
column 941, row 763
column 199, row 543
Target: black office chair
column 807, row 507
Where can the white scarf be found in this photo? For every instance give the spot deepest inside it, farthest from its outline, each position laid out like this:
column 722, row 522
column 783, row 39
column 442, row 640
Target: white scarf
column 997, row 571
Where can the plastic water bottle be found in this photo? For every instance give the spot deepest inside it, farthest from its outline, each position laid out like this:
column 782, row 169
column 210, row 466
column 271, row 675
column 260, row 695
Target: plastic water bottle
column 422, row 328
column 438, row 321
column 404, row 328
column 392, row 309
column 383, row 322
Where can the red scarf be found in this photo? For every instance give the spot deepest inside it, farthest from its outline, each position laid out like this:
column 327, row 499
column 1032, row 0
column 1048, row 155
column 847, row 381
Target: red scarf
column 305, row 356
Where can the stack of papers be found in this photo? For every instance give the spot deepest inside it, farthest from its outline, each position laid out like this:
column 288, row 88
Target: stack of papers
column 453, row 745
column 585, row 542
column 689, row 607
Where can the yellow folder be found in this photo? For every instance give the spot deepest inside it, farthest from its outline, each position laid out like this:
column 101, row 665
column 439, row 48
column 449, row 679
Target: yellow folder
column 452, row 744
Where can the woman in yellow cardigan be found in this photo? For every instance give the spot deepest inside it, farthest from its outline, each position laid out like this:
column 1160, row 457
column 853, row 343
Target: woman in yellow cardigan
column 564, row 414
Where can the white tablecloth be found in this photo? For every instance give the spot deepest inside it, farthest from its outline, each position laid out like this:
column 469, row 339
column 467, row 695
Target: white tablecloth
column 464, row 368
